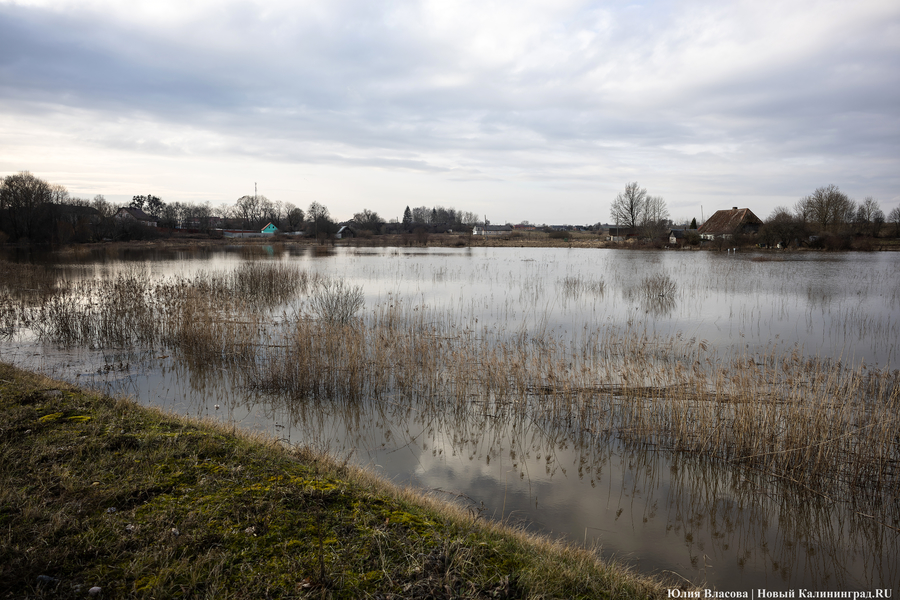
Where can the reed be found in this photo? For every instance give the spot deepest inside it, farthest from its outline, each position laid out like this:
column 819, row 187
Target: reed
column 209, row 317
column 658, row 285
column 817, row 423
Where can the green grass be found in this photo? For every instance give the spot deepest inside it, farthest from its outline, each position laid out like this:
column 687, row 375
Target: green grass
column 96, row 491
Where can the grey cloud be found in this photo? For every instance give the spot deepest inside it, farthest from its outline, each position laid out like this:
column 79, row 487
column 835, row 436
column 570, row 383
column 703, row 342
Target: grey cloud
column 372, row 84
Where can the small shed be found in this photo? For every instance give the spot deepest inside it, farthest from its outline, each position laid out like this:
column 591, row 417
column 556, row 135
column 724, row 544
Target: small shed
column 621, row 234
column 679, row 236
column 270, row 229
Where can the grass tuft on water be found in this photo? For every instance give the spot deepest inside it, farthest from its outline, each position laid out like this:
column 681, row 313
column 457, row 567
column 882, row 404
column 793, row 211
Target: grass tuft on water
column 96, row 491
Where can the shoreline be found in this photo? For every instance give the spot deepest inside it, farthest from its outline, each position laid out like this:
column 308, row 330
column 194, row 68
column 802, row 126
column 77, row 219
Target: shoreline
column 99, row 491
column 443, row 240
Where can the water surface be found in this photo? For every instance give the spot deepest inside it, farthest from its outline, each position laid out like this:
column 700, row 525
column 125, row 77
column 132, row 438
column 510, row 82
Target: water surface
column 731, row 528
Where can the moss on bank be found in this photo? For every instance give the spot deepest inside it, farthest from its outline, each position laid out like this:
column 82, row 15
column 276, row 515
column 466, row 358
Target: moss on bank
column 96, row 491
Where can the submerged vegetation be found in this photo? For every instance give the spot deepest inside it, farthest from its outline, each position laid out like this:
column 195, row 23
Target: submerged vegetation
column 98, row 492
column 815, row 422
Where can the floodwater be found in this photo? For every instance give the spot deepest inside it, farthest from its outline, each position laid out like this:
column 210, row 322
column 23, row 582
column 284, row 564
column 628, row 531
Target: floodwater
column 680, row 516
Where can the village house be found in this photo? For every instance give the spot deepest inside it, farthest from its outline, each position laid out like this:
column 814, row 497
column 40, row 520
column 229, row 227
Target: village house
column 680, row 236
column 727, row 223
column 491, row 230
column 344, row 232
column 136, row 215
column 621, row 234
column 268, row 230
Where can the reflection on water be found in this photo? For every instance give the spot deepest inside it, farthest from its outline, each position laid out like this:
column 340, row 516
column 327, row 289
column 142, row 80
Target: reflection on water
column 730, row 527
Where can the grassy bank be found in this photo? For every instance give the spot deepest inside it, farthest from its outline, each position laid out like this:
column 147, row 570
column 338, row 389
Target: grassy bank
column 100, row 492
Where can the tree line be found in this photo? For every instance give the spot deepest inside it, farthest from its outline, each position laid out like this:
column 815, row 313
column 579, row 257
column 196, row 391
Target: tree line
column 827, row 213
column 640, row 212
column 33, row 210
column 828, row 217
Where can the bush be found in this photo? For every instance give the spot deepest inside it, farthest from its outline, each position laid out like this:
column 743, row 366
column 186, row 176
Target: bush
column 336, row 302
column 864, row 244
column 831, row 241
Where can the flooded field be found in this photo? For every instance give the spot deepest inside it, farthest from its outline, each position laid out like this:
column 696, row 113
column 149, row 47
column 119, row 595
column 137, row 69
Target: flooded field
column 727, row 419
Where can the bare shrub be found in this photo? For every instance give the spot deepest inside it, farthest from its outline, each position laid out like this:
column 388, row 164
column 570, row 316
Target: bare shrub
column 336, row 302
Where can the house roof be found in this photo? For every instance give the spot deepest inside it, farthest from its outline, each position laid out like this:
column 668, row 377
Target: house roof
column 137, row 214
column 680, row 233
column 729, row 221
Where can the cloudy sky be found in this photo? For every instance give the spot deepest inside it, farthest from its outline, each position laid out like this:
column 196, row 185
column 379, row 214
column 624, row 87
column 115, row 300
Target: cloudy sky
column 518, row 110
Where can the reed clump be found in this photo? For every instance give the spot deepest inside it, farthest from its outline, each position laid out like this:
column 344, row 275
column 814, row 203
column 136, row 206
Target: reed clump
column 208, row 317
column 576, row 286
column 658, row 285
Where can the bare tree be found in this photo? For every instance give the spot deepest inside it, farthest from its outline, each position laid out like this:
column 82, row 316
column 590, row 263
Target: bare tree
column 269, row 210
column 59, row 194
column 654, row 217
column 828, row 207
column 781, row 228
column 894, row 217
column 628, row 206
column 421, row 214
column 247, row 209
column 469, row 219
column 103, row 206
column 869, row 217
column 294, row 217
column 23, row 198
column 320, row 217
column 369, row 220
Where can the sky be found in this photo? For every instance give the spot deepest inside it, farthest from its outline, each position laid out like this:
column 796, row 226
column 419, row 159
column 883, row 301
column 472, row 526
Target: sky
column 515, row 110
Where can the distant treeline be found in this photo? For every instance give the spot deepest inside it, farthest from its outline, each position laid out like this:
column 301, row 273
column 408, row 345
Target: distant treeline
column 828, row 218
column 35, row 211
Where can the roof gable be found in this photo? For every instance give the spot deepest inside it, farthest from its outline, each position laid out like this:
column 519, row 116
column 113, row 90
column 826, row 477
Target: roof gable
column 136, row 213
column 729, row 221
